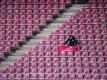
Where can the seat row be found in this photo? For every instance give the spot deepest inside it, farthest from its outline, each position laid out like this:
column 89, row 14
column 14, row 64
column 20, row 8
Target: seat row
column 36, row 2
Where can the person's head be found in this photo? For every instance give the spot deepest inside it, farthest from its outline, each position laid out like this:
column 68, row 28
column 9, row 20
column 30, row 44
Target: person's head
column 70, row 36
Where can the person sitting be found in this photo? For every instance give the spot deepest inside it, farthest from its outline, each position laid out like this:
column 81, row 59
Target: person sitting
column 71, row 41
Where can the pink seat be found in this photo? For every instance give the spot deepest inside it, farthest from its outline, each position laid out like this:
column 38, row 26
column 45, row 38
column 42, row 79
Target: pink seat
column 81, row 21
column 55, row 7
column 6, row 49
column 77, row 60
column 21, row 7
column 42, row 7
column 29, row 22
column 88, row 21
column 22, row 28
column 47, row 49
column 9, row 16
column 83, row 48
column 2, row 38
column 15, row 22
column 49, row 17
column 16, row 7
column 80, row 76
column 35, row 28
column 55, row 2
column 1, row 49
column 72, row 76
column 29, row 12
column 3, row 7
column 9, row 12
column 9, row 7
column 42, row 2
column 101, row 5
column 29, row 33
column 101, row 60
column 22, row 12
column 48, row 7
column 36, row 2
column 16, row 12
column 84, row 53
column 8, row 43
column 35, row 12
column 15, row 33
column 3, row 22
column 14, row 44
column 68, row 1
column 14, row 38
column 16, row 2
column 62, row 7
column 104, row 43
column 42, row 22
column 29, row 17
column 22, row 39
column 80, row 15
column 29, row 2
column 35, row 7
column 21, row 17
column 36, row 17
column 87, row 16
column 85, row 65
column 100, row 1
column 42, row 12
column 3, row 16
column 3, row 2
column 48, row 12
column 85, row 60
column 36, row 22
column 48, row 2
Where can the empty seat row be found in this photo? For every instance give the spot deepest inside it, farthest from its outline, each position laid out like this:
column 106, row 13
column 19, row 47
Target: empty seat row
column 37, row 2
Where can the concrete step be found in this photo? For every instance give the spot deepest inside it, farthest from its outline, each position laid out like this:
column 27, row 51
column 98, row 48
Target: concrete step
column 78, row 5
column 55, row 24
column 62, row 19
column 13, row 58
column 5, row 64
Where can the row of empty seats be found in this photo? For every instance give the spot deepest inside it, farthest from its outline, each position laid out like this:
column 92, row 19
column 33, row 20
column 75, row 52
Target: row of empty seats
column 36, row 2
column 44, row 62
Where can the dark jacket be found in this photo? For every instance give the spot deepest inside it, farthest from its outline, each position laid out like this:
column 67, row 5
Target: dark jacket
column 71, row 42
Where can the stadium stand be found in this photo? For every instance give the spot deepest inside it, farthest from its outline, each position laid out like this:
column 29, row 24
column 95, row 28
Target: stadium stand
column 19, row 19
column 42, row 61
